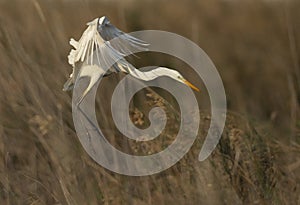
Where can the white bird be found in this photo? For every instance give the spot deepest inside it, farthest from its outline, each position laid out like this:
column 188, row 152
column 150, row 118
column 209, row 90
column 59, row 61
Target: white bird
column 101, row 50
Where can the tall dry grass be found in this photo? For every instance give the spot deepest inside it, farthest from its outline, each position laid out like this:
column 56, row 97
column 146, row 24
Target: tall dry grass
column 255, row 47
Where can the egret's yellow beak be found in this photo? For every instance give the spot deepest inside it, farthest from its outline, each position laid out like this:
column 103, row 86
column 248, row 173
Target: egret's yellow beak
column 191, row 85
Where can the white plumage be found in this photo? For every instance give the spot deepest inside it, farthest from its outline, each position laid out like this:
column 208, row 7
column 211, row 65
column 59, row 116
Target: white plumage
column 95, row 54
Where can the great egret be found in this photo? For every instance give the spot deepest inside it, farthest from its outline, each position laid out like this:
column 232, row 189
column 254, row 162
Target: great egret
column 101, row 45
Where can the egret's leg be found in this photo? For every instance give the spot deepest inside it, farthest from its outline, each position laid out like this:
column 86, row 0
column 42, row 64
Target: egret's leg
column 87, row 129
column 82, row 97
column 88, row 118
column 93, row 81
column 82, row 111
column 94, row 74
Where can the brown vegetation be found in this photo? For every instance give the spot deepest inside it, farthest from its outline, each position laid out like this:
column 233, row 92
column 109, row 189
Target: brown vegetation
column 254, row 45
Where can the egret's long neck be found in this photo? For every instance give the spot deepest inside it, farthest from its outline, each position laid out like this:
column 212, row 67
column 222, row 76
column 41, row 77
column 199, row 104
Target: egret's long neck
column 150, row 75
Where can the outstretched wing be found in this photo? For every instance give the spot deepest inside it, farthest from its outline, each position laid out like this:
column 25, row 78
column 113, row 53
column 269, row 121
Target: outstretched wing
column 92, row 49
column 122, row 42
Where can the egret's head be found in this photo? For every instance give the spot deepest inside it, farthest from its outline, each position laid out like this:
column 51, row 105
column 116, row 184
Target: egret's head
column 178, row 77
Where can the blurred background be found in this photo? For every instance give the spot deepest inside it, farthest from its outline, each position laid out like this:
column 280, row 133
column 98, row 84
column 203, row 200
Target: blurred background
column 255, row 47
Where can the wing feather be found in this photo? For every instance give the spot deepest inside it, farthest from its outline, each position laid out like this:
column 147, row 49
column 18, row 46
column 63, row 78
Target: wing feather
column 122, row 42
column 91, row 49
